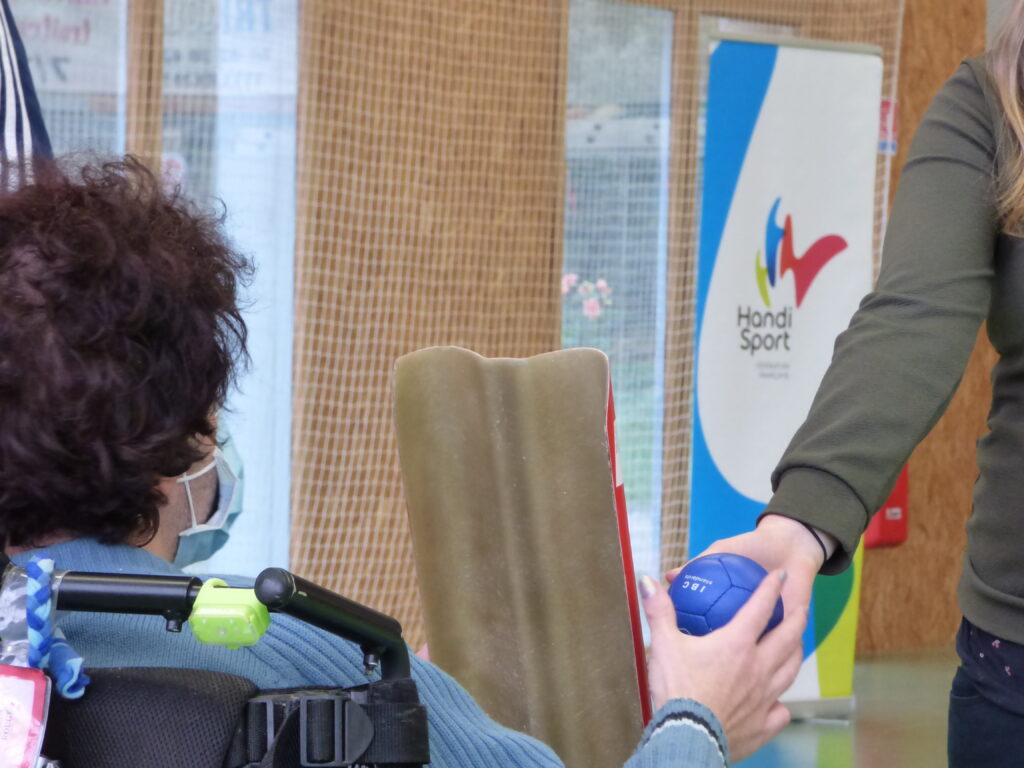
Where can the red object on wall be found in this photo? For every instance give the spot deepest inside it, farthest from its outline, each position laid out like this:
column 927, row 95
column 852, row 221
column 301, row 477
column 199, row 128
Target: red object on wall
column 888, row 527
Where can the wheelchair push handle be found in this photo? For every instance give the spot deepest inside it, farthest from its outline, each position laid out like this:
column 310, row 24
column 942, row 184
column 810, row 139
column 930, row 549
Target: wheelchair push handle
column 379, row 636
column 169, row 596
column 175, row 599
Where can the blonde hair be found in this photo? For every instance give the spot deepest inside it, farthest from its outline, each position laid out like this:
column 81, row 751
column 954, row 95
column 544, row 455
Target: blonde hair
column 1006, row 68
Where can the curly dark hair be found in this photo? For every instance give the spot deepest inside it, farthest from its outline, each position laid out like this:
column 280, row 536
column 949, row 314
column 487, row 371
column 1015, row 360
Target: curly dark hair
column 120, row 334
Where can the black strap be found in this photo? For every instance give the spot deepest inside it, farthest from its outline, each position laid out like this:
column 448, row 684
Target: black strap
column 381, row 724
column 817, row 538
column 400, row 735
column 283, row 745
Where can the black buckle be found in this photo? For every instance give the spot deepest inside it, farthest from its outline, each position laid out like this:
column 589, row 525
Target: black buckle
column 334, row 731
column 263, row 718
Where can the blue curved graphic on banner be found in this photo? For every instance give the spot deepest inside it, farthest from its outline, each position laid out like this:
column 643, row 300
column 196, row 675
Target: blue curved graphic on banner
column 772, row 236
column 738, row 80
column 739, row 75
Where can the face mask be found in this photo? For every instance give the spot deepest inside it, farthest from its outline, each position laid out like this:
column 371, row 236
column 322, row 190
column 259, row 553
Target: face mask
column 200, row 541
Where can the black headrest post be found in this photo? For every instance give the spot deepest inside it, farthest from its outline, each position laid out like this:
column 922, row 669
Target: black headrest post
column 379, row 636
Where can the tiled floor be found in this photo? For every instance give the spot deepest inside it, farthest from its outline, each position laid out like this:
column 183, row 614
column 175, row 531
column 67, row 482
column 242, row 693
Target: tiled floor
column 899, row 719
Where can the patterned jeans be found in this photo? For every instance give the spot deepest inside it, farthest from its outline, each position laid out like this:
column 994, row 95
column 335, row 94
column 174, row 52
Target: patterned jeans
column 986, row 703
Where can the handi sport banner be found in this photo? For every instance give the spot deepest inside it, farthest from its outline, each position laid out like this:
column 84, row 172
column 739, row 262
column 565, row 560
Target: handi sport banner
column 785, row 255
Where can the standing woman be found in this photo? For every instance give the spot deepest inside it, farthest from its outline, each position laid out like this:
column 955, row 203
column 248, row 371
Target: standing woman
column 953, row 257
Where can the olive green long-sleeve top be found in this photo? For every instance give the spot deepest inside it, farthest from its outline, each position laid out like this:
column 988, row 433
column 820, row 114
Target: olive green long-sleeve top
column 946, row 267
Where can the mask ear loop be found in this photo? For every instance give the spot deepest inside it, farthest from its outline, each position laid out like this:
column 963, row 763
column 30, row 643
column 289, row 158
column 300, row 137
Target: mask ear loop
column 188, row 495
column 184, row 480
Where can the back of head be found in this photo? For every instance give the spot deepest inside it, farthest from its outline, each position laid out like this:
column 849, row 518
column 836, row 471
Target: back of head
column 119, row 335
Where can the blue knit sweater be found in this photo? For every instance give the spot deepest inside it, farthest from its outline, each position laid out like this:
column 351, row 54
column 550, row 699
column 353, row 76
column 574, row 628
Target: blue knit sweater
column 682, row 733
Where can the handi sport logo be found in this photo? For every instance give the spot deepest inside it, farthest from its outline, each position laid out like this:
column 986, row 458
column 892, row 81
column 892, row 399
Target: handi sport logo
column 778, row 249
column 768, row 331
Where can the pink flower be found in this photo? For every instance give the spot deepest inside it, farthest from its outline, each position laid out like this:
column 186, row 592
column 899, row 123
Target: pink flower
column 603, row 288
column 995, row 643
column 173, row 171
column 586, row 288
column 1007, row 670
column 568, row 281
column 592, row 308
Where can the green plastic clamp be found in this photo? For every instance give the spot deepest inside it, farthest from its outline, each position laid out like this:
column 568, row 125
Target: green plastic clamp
column 228, row 616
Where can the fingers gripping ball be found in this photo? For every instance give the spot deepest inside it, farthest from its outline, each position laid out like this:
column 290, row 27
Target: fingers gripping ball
column 709, row 590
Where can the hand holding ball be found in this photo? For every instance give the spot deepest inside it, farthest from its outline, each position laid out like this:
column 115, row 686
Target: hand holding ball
column 709, row 591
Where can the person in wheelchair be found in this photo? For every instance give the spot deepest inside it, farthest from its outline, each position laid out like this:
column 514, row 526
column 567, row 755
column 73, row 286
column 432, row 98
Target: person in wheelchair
column 120, row 335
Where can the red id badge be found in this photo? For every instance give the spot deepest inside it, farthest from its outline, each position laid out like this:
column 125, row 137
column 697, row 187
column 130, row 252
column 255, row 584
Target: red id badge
column 24, row 702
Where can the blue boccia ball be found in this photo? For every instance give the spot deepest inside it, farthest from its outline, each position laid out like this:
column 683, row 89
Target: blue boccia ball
column 709, row 590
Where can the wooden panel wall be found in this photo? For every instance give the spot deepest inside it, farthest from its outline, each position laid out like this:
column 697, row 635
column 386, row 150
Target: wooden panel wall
column 430, row 187
column 143, row 133
column 909, row 593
